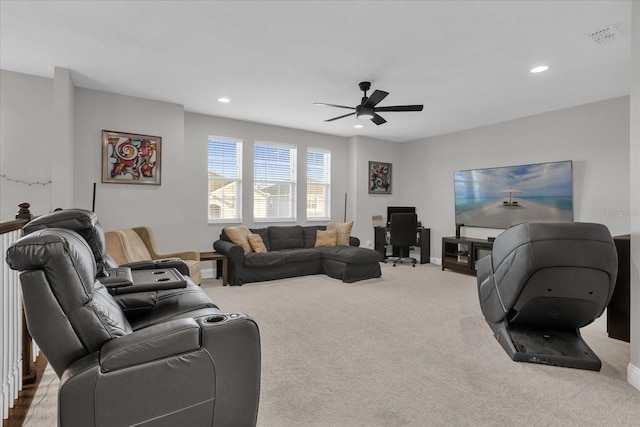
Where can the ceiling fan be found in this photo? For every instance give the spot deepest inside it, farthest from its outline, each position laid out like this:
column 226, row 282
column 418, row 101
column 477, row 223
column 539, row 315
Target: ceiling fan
column 367, row 108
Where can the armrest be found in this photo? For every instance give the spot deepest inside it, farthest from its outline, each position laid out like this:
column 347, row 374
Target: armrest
column 116, row 277
column 150, row 264
column 354, row 241
column 190, row 255
column 149, row 344
column 234, row 252
column 152, row 280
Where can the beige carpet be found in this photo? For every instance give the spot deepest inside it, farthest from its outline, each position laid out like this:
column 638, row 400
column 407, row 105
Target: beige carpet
column 408, row 349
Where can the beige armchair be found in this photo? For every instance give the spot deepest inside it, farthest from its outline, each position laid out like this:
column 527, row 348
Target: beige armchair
column 138, row 244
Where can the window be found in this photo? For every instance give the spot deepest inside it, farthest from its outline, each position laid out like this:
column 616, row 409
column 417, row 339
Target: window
column 318, row 184
column 225, row 179
column 274, row 182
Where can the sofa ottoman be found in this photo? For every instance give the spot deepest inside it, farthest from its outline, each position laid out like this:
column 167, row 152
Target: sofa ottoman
column 350, row 263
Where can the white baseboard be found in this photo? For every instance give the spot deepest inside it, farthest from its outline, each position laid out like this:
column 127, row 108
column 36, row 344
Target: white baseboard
column 633, row 375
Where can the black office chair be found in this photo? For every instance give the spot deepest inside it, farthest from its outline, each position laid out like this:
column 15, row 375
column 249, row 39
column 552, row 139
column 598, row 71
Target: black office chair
column 541, row 284
column 403, row 235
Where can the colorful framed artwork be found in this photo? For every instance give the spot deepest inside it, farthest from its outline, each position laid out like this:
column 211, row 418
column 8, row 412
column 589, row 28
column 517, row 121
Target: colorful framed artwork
column 129, row 158
column 379, row 178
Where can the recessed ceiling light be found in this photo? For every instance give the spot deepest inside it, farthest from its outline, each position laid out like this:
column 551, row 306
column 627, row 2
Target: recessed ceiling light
column 225, row 100
column 539, row 69
column 357, row 126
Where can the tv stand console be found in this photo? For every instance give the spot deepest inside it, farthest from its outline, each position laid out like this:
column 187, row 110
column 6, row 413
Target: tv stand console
column 461, row 253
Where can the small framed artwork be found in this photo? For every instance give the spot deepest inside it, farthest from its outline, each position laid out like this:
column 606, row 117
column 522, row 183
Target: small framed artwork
column 379, row 178
column 129, row 158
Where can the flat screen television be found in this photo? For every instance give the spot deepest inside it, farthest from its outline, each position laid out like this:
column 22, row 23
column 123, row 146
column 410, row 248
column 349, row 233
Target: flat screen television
column 504, row 196
column 398, row 209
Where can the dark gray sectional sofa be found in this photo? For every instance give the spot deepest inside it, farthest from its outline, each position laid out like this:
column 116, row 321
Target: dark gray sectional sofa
column 291, row 252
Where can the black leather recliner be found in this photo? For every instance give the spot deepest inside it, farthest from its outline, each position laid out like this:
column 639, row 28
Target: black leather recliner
column 142, row 308
column 541, row 284
column 174, row 363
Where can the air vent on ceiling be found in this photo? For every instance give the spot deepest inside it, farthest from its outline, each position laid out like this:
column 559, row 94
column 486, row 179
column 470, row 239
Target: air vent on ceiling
column 608, row 34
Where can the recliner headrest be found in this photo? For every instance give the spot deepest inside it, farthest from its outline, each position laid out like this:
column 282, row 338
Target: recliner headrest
column 83, row 222
column 48, row 250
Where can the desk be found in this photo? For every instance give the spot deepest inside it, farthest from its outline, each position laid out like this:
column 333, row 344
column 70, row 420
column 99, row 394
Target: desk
column 221, row 264
column 424, row 242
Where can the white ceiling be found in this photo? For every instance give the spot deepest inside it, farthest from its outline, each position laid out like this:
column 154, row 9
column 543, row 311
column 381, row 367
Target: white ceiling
column 467, row 61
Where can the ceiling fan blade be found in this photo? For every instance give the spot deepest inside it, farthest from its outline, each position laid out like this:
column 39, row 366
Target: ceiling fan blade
column 340, row 117
column 378, row 120
column 333, row 105
column 401, row 108
column 375, row 98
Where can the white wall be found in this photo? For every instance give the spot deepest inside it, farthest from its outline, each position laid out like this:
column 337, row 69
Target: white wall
column 26, row 118
column 128, row 205
column 62, row 139
column 197, row 129
column 595, row 136
column 362, row 204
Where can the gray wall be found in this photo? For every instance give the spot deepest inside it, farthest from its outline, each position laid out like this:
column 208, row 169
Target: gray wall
column 26, row 123
column 595, row 136
column 127, row 205
column 362, row 205
column 198, row 127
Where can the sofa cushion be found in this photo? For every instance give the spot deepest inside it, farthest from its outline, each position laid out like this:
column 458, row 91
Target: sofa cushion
column 344, row 231
column 309, row 234
column 350, row 254
column 326, row 237
column 240, row 236
column 267, row 259
column 286, row 237
column 257, row 244
column 264, row 233
column 301, row 255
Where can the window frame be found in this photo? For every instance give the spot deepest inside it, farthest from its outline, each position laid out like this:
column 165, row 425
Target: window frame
column 326, row 184
column 265, row 183
column 238, row 160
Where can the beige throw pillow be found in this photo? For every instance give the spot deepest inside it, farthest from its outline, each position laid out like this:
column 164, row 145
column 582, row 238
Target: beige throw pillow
column 257, row 244
column 240, row 236
column 326, row 238
column 344, row 231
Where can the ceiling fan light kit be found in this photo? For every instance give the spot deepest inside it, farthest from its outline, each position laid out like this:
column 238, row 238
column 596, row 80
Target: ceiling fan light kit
column 367, row 109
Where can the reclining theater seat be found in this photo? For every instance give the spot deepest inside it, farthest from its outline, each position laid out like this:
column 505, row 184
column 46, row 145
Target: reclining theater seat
column 141, row 308
column 541, row 284
column 196, row 368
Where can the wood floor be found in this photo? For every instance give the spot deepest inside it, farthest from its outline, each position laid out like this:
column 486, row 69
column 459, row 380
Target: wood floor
column 25, row 397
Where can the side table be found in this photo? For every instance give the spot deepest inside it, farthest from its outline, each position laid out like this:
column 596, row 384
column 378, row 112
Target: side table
column 221, row 264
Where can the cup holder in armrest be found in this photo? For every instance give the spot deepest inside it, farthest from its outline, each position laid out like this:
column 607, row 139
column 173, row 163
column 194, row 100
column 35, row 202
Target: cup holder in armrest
column 220, row 318
column 215, row 319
